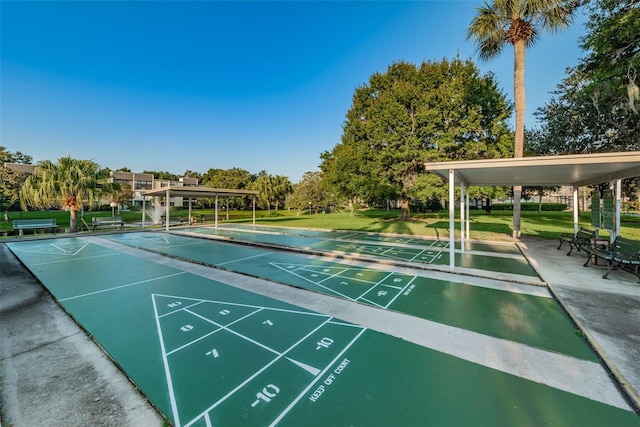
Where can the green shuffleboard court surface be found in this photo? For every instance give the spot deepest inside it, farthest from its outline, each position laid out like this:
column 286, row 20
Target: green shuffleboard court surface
column 504, row 259
column 529, row 319
column 210, row 354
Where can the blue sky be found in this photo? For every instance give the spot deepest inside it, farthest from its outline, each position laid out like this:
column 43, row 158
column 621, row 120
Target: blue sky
column 259, row 85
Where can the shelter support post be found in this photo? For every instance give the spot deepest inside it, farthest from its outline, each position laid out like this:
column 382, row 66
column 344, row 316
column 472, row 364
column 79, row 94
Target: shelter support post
column 215, row 222
column 166, row 222
column 618, row 206
column 576, row 213
column 189, row 221
column 452, row 211
column 254, row 209
column 467, row 206
column 462, row 217
column 144, row 213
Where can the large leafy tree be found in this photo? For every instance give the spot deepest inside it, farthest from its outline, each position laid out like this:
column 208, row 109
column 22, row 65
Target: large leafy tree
column 11, row 180
column 65, row 184
column 517, row 23
column 309, row 193
column 410, row 115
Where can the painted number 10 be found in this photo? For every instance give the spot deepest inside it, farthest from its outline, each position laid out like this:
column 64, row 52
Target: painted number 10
column 324, row 343
column 266, row 394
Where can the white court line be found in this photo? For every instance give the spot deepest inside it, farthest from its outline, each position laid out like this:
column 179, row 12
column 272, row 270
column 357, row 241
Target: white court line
column 167, row 372
column 180, row 309
column 70, row 259
column 194, row 341
column 401, row 292
column 236, row 333
column 220, row 327
column 378, row 283
column 315, row 283
column 285, row 310
column 328, row 276
column 245, row 382
column 244, row 259
column 123, row 286
column 318, row 377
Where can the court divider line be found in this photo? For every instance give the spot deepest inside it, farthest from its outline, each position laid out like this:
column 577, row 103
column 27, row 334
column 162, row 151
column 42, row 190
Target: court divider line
column 123, row 286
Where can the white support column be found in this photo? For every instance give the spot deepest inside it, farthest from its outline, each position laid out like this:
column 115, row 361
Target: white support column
column 144, row 198
column 576, row 213
column 467, row 206
column 452, row 211
column 618, row 206
column 462, row 217
column 189, row 220
column 216, row 213
column 254, row 209
column 227, row 209
column 166, row 221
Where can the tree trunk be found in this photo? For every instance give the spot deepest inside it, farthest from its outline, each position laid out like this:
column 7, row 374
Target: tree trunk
column 73, row 221
column 405, row 209
column 540, row 204
column 518, row 88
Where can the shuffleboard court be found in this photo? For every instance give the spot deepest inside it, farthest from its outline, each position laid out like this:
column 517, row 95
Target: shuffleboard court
column 508, row 259
column 361, row 236
column 534, row 320
column 210, row 354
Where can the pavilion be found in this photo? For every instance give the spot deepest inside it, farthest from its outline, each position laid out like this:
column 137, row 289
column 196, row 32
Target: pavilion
column 575, row 170
column 195, row 193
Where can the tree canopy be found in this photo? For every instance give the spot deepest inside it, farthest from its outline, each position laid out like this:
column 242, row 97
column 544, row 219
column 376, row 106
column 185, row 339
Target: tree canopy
column 409, row 115
column 65, row 184
column 10, row 180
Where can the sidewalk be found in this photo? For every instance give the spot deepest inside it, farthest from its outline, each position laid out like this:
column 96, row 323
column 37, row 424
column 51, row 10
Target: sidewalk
column 607, row 310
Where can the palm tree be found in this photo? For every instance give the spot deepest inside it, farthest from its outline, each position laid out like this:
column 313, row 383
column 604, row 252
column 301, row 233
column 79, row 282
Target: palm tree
column 64, row 184
column 518, row 23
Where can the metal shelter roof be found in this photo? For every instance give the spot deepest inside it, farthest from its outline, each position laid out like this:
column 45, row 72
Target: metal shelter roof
column 577, row 169
column 179, row 191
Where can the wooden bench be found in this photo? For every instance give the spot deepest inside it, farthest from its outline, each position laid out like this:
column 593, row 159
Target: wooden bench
column 106, row 221
column 622, row 253
column 34, row 224
column 577, row 240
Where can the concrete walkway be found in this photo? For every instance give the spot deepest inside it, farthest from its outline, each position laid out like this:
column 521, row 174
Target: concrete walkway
column 40, row 344
column 607, row 310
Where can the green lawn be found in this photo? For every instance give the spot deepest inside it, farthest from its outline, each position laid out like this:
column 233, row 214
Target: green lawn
column 496, row 226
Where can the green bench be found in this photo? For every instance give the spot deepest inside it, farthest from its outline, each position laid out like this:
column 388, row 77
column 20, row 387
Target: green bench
column 34, row 224
column 106, row 221
column 622, row 253
column 577, row 240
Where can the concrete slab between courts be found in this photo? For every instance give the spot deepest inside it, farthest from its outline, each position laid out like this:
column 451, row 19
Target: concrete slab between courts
column 566, row 373
column 607, row 310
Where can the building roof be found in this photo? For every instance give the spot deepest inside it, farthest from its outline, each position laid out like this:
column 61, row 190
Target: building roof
column 200, row 191
column 576, row 170
column 21, row 167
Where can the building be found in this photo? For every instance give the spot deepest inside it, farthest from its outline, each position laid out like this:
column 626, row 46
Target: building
column 146, row 181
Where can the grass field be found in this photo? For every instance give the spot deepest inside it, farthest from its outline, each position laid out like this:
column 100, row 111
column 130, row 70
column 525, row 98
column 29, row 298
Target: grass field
column 496, row 226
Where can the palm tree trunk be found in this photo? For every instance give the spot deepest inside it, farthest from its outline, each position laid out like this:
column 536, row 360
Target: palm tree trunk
column 518, row 88
column 73, row 221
